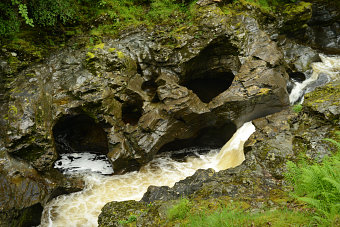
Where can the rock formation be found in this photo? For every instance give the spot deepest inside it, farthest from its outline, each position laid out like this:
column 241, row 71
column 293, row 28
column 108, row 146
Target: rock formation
column 151, row 91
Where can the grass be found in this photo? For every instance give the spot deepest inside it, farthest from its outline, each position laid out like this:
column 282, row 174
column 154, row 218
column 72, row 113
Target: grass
column 180, row 210
column 192, row 214
column 120, row 14
column 315, row 188
column 230, row 216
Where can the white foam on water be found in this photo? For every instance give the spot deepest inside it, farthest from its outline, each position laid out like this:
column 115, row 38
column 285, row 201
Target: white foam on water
column 83, row 162
column 329, row 65
column 82, row 208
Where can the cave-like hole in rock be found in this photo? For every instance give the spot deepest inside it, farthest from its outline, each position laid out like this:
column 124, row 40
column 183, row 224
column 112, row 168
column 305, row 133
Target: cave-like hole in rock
column 203, row 141
column 211, row 85
column 297, row 76
column 82, row 145
column 210, row 73
column 79, row 133
column 30, row 216
column 132, row 111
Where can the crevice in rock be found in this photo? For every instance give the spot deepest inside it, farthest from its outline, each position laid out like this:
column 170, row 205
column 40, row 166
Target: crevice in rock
column 79, row 133
column 297, row 76
column 211, row 85
column 131, row 111
column 211, row 72
column 139, row 70
column 209, row 137
column 30, row 216
column 149, row 87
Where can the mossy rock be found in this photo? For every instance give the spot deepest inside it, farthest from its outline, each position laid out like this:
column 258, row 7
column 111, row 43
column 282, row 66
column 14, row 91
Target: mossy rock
column 326, row 101
column 295, row 16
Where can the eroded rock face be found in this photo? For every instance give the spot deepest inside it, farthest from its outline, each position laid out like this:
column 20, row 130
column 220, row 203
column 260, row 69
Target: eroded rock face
column 79, row 133
column 143, row 93
column 324, row 28
column 258, row 181
column 24, row 191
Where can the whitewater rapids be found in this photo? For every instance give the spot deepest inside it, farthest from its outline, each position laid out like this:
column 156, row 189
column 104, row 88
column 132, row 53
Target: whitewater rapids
column 82, row 208
column 322, row 72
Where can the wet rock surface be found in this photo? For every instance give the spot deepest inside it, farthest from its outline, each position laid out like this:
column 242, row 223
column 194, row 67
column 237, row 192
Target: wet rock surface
column 145, row 91
column 258, row 181
column 24, row 191
column 323, row 31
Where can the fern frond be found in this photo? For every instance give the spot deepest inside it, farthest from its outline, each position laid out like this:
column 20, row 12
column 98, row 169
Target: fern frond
column 334, row 183
column 336, row 143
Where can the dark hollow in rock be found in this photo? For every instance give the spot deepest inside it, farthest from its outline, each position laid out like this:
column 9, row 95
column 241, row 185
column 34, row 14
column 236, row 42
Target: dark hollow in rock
column 210, row 73
column 209, row 137
column 79, row 133
column 297, row 76
column 150, row 87
column 212, row 85
column 132, row 111
column 29, row 216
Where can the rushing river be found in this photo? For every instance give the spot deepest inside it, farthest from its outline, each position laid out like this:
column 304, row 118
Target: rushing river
column 321, row 73
column 82, row 208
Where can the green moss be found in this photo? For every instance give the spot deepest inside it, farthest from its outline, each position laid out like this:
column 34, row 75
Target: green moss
column 330, row 92
column 12, row 110
column 297, row 108
column 120, row 54
column 296, row 16
column 298, row 10
column 90, row 56
column 99, row 46
column 264, row 91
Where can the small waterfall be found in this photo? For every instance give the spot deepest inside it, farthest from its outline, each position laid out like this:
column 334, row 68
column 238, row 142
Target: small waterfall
column 231, row 154
column 322, row 72
column 82, row 208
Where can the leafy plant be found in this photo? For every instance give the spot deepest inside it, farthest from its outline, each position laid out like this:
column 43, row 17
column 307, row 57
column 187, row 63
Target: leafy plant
column 23, row 11
column 131, row 218
column 49, row 12
column 180, row 210
column 318, row 185
column 8, row 19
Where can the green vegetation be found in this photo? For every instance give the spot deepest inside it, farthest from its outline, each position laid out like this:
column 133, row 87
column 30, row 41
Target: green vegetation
column 314, row 199
column 297, row 108
column 180, row 210
column 132, row 218
column 231, row 216
column 31, row 29
column 220, row 212
column 113, row 14
column 318, row 185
